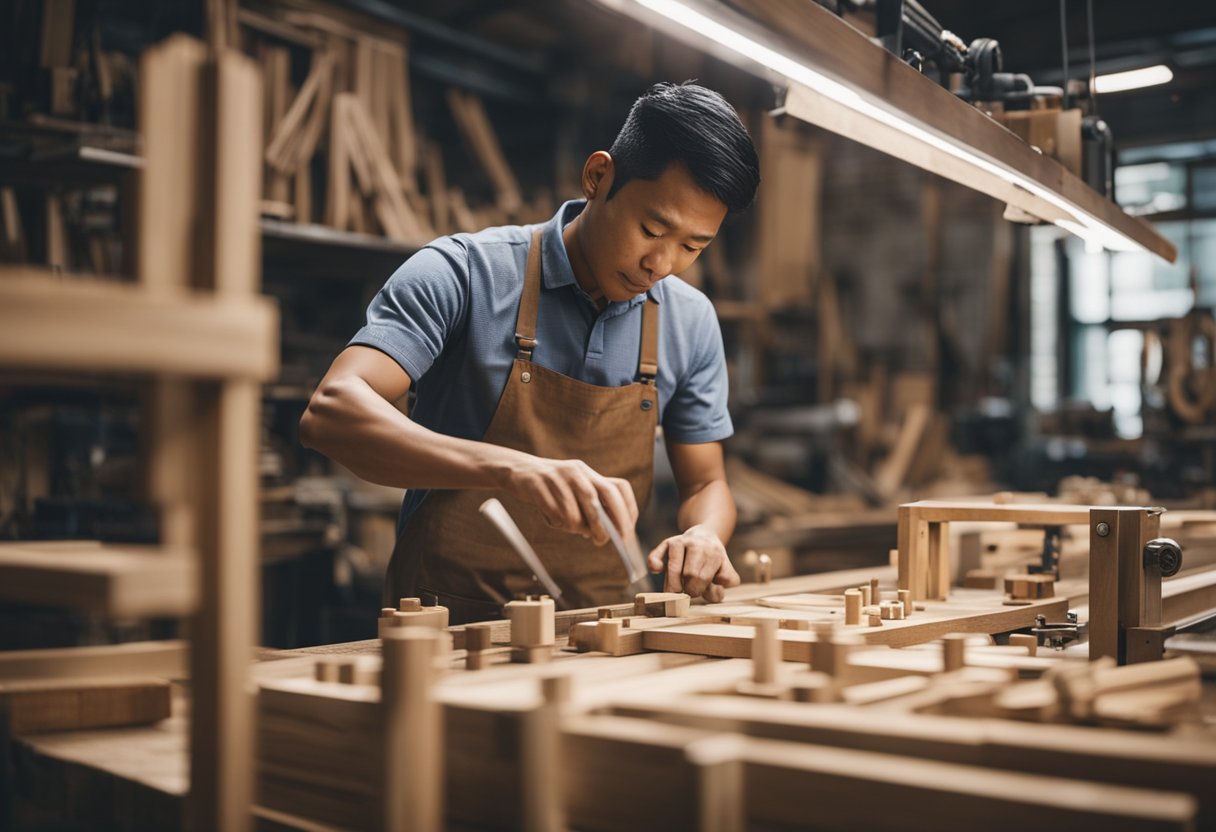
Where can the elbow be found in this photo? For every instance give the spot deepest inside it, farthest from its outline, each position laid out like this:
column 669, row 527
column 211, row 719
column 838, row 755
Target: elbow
column 321, row 411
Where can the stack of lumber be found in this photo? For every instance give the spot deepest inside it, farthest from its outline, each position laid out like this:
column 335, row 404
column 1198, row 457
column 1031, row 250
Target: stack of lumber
column 350, row 125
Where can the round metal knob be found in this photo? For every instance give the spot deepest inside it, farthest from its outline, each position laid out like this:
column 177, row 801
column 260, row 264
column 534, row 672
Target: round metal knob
column 1165, row 553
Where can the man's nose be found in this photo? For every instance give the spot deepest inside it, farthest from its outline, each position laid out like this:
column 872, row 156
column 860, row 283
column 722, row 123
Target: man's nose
column 658, row 263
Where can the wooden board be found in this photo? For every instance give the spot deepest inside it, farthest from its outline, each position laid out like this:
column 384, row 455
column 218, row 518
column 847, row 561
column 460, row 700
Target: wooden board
column 72, row 704
column 48, row 323
column 118, row 581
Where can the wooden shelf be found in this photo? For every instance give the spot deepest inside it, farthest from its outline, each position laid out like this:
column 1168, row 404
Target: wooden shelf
column 56, row 323
column 118, row 581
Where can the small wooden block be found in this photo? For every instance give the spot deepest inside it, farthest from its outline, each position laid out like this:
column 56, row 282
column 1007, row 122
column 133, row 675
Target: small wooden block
column 531, row 655
column 905, row 598
column 953, row 651
column 585, row 635
column 661, row 604
column 478, row 636
column 1031, row 643
column 795, row 624
column 866, row 600
column 326, row 670
column 532, row 622
column 812, row 686
column 875, row 619
column 980, row 579
column 1030, row 586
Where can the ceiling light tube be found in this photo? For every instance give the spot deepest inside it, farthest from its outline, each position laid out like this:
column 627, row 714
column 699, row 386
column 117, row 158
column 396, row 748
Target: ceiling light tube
column 1133, row 79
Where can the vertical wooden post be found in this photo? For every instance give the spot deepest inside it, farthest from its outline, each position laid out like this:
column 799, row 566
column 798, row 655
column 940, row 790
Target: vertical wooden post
column 412, row 785
column 540, row 756
column 225, row 631
column 1104, row 583
column 766, row 652
column 721, row 803
column 938, row 568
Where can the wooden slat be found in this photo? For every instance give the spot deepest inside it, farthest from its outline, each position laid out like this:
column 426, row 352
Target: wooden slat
column 48, row 323
column 164, row 659
column 115, row 581
column 75, row 704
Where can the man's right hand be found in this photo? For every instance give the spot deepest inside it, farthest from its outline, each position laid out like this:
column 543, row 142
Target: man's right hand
column 566, row 492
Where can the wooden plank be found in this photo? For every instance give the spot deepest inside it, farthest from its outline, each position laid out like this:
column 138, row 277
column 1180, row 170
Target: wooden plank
column 1188, row 596
column 89, row 324
column 112, row 580
column 163, row 659
column 34, row 706
column 436, row 187
column 475, row 126
column 337, row 195
column 939, row 796
column 732, row 641
column 1051, row 514
column 1130, row 758
column 169, row 94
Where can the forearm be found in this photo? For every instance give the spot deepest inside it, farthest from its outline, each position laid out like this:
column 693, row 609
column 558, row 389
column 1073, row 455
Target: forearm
column 712, row 507
column 353, row 425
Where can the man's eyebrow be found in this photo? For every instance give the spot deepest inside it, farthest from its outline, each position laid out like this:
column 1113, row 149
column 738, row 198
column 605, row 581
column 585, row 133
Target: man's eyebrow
column 662, row 220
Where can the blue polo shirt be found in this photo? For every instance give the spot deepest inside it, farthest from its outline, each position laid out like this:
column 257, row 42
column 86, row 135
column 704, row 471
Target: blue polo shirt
column 447, row 316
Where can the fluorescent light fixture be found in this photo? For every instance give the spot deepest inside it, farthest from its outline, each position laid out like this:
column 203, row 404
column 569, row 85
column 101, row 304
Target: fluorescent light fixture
column 1133, row 79
column 819, row 99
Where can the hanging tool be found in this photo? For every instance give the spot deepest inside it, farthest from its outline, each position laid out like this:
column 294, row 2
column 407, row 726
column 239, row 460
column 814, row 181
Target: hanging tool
column 496, row 513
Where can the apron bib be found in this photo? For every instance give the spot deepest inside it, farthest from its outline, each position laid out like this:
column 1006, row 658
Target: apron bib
column 447, row 553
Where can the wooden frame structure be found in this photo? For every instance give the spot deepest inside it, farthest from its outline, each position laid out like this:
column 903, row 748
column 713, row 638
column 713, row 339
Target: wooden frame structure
column 196, row 328
column 924, row 556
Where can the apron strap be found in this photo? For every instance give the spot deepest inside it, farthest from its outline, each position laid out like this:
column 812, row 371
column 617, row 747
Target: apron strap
column 525, row 320
column 648, row 357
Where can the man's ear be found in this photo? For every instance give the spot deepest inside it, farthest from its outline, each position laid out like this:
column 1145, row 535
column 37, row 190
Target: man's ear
column 597, row 175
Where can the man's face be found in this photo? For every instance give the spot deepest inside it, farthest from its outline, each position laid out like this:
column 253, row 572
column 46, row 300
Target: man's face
column 648, row 230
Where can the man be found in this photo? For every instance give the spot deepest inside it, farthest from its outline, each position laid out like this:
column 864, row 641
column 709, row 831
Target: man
column 543, row 358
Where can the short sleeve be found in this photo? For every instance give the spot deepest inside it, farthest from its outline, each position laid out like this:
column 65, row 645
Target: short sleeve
column 421, row 306
column 697, row 411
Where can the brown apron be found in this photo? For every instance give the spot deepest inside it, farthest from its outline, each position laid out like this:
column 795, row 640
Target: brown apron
column 448, row 553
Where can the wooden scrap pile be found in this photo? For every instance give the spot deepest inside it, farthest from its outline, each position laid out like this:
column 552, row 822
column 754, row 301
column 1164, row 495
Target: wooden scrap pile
column 351, row 125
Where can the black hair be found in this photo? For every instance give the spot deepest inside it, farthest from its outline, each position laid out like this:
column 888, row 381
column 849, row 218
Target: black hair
column 693, row 125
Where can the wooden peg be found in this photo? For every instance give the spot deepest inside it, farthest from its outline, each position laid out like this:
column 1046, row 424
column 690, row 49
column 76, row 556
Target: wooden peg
column 1030, row 642
column 477, row 639
column 866, row 600
column 766, row 651
column 852, row 607
column 953, row 651
column 905, row 598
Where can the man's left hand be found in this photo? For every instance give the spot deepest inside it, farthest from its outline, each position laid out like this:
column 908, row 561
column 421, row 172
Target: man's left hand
column 696, row 564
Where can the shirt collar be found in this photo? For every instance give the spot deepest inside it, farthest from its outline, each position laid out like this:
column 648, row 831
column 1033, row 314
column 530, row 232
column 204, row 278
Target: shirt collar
column 555, row 260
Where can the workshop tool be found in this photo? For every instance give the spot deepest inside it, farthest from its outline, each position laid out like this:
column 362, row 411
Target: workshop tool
column 630, row 552
column 496, row 513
